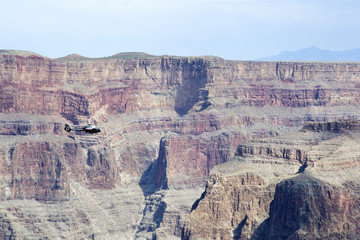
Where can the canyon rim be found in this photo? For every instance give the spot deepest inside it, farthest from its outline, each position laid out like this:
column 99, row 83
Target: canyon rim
column 190, row 147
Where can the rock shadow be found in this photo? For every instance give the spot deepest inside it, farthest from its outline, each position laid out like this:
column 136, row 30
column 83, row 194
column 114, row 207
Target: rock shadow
column 159, row 214
column 194, row 78
column 154, row 177
column 147, row 180
column 238, row 229
column 196, row 203
column 301, row 203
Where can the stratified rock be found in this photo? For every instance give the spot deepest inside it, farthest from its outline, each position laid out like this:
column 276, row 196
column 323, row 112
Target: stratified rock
column 316, row 195
column 101, row 172
column 38, row 172
column 165, row 123
column 229, row 208
column 307, row 208
column 337, row 126
column 175, row 168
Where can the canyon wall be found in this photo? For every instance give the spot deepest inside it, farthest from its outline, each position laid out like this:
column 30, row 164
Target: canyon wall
column 297, row 186
column 165, row 122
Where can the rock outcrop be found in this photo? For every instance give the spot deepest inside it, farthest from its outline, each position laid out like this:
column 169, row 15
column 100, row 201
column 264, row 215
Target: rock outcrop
column 297, row 186
column 307, row 208
column 165, row 121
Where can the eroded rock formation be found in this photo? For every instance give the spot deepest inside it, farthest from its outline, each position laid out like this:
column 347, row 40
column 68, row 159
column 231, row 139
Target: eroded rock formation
column 166, row 122
column 266, row 192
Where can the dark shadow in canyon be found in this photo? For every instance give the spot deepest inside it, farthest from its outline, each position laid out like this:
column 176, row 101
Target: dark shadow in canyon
column 238, row 229
column 194, row 78
column 147, row 180
column 154, row 177
column 196, row 203
column 159, row 214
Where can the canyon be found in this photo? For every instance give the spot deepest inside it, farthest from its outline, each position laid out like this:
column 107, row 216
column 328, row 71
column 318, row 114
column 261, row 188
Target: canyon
column 254, row 135
column 303, row 185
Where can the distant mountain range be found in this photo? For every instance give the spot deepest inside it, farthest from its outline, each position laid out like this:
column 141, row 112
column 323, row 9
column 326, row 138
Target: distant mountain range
column 316, row 54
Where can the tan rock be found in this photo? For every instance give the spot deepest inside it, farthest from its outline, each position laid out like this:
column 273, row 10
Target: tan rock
column 312, row 198
column 165, row 121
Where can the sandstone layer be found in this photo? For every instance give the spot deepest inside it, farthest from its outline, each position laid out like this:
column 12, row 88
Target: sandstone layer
column 296, row 186
column 165, row 121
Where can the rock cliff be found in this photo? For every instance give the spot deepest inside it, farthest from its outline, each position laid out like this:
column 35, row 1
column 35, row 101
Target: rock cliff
column 295, row 186
column 166, row 123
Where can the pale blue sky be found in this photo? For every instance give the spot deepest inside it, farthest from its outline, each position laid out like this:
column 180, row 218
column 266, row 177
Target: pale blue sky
column 232, row 29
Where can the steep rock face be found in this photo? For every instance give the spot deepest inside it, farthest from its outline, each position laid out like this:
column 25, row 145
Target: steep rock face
column 188, row 93
column 307, row 208
column 35, row 84
column 101, row 169
column 338, row 126
column 206, row 151
column 74, row 89
column 40, row 169
column 284, row 84
column 38, row 172
column 165, row 121
column 40, row 85
column 229, row 208
column 21, row 127
column 316, row 194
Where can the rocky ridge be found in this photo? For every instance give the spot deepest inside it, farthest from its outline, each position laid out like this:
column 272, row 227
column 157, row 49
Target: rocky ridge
column 298, row 186
column 166, row 122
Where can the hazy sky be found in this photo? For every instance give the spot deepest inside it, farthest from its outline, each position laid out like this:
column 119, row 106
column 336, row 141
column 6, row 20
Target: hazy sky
column 232, row 29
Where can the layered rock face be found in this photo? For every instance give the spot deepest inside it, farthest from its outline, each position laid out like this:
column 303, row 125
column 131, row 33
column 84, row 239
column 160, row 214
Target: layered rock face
column 298, row 186
column 307, row 208
column 165, row 123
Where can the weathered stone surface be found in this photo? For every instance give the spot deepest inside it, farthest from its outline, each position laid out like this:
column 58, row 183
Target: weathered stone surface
column 165, row 121
column 101, row 169
column 316, row 197
column 38, row 172
column 229, row 208
column 338, row 126
column 307, row 208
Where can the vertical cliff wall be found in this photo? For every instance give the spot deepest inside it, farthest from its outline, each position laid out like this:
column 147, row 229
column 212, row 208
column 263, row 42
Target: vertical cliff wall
column 295, row 186
column 165, row 121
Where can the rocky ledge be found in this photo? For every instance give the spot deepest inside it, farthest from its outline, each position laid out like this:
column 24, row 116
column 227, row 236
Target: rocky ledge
column 165, row 123
column 268, row 191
